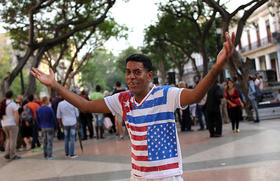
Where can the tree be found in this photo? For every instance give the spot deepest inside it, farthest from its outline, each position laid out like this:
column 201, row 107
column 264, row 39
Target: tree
column 38, row 26
column 236, row 65
column 199, row 21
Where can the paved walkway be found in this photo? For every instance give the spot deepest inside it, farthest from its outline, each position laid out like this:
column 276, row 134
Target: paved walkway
column 251, row 155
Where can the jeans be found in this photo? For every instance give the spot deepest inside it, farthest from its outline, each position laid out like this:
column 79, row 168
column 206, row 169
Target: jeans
column 255, row 107
column 48, row 134
column 70, row 133
column 11, row 133
column 35, row 139
column 199, row 111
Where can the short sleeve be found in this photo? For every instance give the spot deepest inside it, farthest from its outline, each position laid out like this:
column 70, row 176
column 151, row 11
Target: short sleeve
column 58, row 113
column 14, row 106
column 114, row 104
column 173, row 97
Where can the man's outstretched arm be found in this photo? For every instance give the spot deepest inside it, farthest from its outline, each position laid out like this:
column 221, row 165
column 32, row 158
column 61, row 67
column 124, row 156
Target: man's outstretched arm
column 84, row 105
column 189, row 96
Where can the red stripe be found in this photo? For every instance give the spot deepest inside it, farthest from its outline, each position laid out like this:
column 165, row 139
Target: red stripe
column 140, row 147
column 139, row 129
column 156, row 168
column 139, row 138
column 139, row 158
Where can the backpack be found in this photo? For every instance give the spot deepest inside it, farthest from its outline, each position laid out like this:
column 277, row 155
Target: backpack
column 27, row 116
column 2, row 108
column 258, row 93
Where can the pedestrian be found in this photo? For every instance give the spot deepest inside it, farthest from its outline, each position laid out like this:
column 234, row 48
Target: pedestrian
column 33, row 106
column 148, row 113
column 86, row 120
column 10, row 124
column 67, row 116
column 253, row 98
column 118, row 118
column 214, row 97
column 99, row 117
column 234, row 105
column 55, row 101
column 223, row 105
column 46, row 121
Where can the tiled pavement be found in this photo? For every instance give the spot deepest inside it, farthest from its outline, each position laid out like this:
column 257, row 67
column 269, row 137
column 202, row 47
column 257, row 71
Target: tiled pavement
column 251, row 155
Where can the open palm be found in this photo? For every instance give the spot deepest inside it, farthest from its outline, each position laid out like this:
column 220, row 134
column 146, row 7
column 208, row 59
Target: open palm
column 228, row 49
column 45, row 79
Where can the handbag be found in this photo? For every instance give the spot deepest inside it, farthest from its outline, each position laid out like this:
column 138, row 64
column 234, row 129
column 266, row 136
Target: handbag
column 107, row 123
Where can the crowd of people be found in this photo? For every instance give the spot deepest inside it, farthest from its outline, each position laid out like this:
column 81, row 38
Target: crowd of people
column 32, row 124
column 223, row 103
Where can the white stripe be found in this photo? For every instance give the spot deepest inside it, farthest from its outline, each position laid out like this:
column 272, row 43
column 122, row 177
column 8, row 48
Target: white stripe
column 139, row 153
column 134, row 142
column 137, row 133
column 152, row 110
column 156, row 95
column 155, row 163
column 158, row 174
column 154, row 122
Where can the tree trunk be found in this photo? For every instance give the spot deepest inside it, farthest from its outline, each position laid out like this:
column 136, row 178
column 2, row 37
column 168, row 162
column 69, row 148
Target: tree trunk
column 205, row 61
column 31, row 87
column 6, row 83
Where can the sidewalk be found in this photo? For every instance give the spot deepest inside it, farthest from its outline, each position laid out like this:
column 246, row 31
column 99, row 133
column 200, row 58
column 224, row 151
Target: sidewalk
column 253, row 154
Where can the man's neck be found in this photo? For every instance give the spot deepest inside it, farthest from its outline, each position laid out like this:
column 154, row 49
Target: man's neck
column 139, row 98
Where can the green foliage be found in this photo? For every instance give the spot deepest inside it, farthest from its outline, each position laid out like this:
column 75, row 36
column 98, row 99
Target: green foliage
column 101, row 70
column 120, row 63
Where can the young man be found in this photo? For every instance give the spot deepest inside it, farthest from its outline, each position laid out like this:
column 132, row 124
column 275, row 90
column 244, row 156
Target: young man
column 148, row 113
column 10, row 124
column 47, row 122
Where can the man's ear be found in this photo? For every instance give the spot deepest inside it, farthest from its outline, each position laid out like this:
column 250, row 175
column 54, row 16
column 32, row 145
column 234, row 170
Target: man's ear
column 151, row 75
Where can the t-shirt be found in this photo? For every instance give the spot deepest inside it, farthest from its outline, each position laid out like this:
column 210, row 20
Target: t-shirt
column 9, row 117
column 96, row 95
column 155, row 147
column 33, row 106
column 234, row 98
column 67, row 113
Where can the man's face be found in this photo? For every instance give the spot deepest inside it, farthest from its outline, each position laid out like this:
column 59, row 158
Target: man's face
column 137, row 77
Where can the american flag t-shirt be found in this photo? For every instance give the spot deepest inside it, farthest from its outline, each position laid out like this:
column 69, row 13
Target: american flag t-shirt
column 155, row 148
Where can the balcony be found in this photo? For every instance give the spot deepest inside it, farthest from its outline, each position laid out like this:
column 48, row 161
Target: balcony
column 253, row 46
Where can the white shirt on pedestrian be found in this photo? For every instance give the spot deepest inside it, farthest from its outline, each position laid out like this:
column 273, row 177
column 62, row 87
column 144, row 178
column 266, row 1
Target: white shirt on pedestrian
column 9, row 117
column 67, row 113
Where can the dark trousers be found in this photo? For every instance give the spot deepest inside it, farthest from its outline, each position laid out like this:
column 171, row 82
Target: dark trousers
column 186, row 120
column 35, row 139
column 214, row 123
column 234, row 116
column 87, row 123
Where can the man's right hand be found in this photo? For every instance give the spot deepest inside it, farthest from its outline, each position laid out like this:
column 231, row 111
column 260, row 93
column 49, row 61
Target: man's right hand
column 48, row 80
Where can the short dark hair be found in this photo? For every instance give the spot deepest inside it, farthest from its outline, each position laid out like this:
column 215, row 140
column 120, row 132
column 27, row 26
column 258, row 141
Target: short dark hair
column 147, row 63
column 98, row 88
column 118, row 84
column 30, row 97
column 9, row 94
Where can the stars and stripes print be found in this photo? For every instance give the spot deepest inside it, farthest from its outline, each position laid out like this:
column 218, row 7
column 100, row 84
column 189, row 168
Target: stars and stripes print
column 155, row 148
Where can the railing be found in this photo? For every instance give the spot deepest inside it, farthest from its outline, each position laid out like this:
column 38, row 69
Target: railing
column 262, row 42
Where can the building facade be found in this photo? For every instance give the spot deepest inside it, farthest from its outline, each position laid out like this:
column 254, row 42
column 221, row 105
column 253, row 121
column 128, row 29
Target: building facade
column 260, row 41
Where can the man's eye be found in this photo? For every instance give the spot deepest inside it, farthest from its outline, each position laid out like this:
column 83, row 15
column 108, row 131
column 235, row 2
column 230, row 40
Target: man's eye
column 138, row 72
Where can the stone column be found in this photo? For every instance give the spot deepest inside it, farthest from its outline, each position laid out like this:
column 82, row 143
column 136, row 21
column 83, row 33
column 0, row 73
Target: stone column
column 257, row 63
column 267, row 62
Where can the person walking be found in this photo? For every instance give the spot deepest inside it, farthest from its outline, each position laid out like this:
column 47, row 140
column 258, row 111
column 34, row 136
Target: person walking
column 99, row 117
column 148, row 113
column 252, row 97
column 86, row 119
column 214, row 96
column 68, row 116
column 10, row 123
column 33, row 106
column 234, row 105
column 46, row 121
